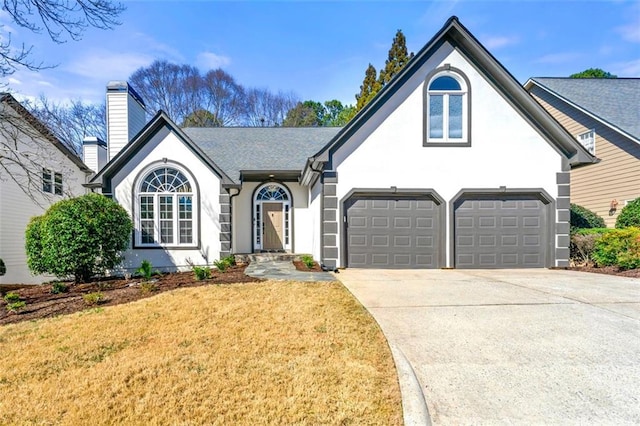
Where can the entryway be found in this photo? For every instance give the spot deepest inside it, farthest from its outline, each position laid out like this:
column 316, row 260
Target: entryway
column 272, row 218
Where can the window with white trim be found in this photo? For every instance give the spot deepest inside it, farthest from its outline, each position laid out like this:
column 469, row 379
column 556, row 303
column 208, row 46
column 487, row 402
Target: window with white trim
column 166, row 215
column 446, row 108
column 51, row 182
column 588, row 140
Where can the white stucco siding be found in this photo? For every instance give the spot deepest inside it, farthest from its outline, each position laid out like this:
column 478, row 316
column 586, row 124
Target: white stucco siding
column 505, row 150
column 166, row 145
column 242, row 218
column 17, row 208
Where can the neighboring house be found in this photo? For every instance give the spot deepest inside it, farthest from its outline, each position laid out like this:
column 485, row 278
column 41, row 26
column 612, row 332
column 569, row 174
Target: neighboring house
column 604, row 115
column 36, row 170
column 452, row 164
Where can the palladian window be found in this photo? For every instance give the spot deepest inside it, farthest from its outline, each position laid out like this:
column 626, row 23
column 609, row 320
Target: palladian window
column 166, row 215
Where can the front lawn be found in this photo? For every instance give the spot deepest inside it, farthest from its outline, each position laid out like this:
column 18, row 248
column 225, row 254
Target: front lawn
column 253, row 353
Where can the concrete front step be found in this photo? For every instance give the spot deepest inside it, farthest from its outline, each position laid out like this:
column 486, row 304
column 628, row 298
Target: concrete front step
column 266, row 257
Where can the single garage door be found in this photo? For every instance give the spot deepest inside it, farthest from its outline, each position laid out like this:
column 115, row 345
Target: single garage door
column 386, row 231
column 500, row 232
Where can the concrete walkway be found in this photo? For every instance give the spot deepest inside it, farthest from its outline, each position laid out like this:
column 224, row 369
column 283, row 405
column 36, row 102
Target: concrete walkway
column 511, row 346
column 284, row 270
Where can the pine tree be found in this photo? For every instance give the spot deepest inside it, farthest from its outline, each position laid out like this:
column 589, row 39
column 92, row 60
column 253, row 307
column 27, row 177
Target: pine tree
column 370, row 86
column 398, row 58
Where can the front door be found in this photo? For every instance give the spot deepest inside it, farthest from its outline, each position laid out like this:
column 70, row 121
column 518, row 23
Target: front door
column 272, row 236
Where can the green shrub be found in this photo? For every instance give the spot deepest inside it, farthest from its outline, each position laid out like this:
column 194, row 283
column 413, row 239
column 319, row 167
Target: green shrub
column 202, row 272
column 145, row 270
column 82, row 236
column 581, row 217
column 583, row 243
column 93, row 299
column 308, row 261
column 620, row 247
column 225, row 263
column 16, row 306
column 58, row 287
column 11, row 297
column 629, row 215
column 221, row 265
column 3, row 268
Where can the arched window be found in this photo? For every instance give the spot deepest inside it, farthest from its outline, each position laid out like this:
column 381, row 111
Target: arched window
column 165, row 204
column 272, row 193
column 447, row 107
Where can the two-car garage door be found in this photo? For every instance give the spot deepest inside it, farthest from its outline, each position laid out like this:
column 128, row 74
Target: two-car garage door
column 489, row 231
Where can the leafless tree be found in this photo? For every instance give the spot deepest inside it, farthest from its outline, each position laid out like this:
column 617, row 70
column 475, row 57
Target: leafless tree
column 60, row 19
column 175, row 89
column 72, row 122
column 223, row 97
column 266, row 109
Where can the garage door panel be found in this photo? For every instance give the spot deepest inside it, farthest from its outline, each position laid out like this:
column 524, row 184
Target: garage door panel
column 392, row 233
column 501, row 232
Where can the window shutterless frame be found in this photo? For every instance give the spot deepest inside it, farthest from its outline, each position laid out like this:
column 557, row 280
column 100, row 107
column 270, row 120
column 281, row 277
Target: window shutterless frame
column 166, row 212
column 446, row 109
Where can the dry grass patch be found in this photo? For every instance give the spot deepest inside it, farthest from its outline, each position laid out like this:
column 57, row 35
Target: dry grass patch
column 260, row 353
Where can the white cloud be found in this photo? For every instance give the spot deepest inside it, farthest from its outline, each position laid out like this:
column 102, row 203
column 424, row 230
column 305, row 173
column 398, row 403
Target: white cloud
column 104, row 65
column 630, row 32
column 626, row 69
column 497, row 42
column 558, row 58
column 14, row 81
column 209, row 61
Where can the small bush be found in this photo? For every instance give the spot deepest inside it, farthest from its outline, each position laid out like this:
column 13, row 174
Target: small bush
column 93, row 299
column 629, row 215
column 308, row 261
column 581, row 218
column 16, row 306
column 145, row 270
column 225, row 263
column 11, row 297
column 202, row 272
column 583, row 243
column 59, row 287
column 148, row 287
column 621, row 248
column 3, row 268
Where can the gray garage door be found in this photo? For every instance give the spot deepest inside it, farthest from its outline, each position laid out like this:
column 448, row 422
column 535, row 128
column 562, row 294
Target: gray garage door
column 500, row 232
column 392, row 232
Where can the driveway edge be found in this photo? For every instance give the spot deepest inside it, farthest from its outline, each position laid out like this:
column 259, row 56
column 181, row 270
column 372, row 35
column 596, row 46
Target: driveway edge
column 414, row 405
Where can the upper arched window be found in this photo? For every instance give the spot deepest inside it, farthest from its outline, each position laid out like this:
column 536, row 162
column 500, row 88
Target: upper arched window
column 447, row 107
column 165, row 202
column 272, row 193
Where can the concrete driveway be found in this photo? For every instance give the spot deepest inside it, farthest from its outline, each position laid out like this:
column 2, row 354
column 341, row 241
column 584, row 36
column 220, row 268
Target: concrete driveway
column 513, row 346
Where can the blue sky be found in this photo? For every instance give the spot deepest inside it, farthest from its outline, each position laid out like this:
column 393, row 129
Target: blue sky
column 320, row 50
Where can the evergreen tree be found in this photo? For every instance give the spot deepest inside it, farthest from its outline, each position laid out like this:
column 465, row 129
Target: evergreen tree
column 593, row 73
column 370, row 87
column 398, row 58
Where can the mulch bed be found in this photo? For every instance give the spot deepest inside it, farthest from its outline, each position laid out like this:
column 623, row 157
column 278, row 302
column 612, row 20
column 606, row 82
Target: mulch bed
column 300, row 266
column 608, row 270
column 40, row 303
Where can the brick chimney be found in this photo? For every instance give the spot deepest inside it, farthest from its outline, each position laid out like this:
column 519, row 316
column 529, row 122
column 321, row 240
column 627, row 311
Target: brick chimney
column 126, row 116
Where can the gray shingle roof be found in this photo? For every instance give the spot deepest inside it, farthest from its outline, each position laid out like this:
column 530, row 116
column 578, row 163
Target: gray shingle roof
column 614, row 100
column 260, row 148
